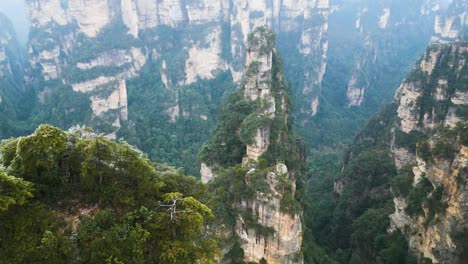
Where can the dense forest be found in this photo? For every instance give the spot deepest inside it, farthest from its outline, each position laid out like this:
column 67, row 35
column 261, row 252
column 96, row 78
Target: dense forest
column 80, row 198
column 235, row 132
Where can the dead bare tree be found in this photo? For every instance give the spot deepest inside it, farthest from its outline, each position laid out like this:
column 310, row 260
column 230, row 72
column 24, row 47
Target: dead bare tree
column 172, row 209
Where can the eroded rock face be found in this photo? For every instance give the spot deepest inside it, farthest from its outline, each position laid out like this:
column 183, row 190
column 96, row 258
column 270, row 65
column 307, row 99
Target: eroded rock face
column 215, row 34
column 257, row 84
column 377, row 27
column 413, row 88
column 284, row 246
column 268, row 223
column 438, row 239
column 435, row 234
column 6, row 37
column 449, row 26
column 206, row 172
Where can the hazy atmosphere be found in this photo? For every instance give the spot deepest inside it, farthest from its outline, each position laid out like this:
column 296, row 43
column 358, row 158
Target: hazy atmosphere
column 14, row 10
column 234, row 132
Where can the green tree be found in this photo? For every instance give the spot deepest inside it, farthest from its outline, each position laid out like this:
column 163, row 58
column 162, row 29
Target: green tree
column 13, row 191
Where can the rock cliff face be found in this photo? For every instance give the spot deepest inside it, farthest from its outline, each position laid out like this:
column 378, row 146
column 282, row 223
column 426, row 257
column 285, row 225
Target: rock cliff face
column 451, row 24
column 365, row 39
column 276, row 234
column 369, row 24
column 214, row 42
column 430, row 140
column 284, row 246
column 187, row 43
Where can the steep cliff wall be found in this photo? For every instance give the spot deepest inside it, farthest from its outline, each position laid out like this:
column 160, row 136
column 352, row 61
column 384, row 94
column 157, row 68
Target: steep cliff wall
column 452, row 23
column 403, row 183
column 371, row 46
column 187, row 44
column 430, row 140
column 267, row 219
column 187, row 54
column 217, row 44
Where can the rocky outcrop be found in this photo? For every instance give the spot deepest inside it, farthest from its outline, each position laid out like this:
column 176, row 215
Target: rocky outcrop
column 257, row 84
column 268, row 223
column 424, row 83
column 372, row 26
column 451, row 24
column 89, row 15
column 214, row 36
column 284, row 247
column 204, row 63
column 437, row 157
column 437, row 237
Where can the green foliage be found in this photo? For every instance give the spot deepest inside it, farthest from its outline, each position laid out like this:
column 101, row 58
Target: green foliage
column 462, row 112
column 120, row 198
column 447, row 68
column 402, row 184
column 462, row 133
column 459, row 237
column 249, row 127
column 262, row 40
column 225, row 148
column 409, row 140
column 13, row 191
column 367, row 228
column 174, row 141
column 394, row 249
column 230, row 188
column 61, row 107
column 132, row 238
column 26, row 238
column 435, row 204
column 235, row 255
column 112, row 36
column 349, row 225
column 444, row 150
column 424, row 151
column 319, row 204
column 40, row 158
column 418, row 196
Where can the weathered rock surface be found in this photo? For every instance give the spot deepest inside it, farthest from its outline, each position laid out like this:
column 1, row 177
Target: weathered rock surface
column 217, row 44
column 264, row 86
column 452, row 24
column 435, row 235
column 284, row 247
column 411, row 91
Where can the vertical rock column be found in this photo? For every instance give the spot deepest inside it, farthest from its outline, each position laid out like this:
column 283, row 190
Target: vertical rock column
column 258, row 84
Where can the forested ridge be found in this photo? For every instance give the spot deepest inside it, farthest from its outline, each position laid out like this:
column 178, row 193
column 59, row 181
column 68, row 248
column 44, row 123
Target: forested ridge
column 80, row 198
column 109, row 110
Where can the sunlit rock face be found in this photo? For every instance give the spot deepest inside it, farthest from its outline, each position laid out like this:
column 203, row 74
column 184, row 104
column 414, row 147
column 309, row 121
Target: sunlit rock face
column 213, row 33
column 439, row 78
column 276, row 235
column 412, row 89
column 285, row 245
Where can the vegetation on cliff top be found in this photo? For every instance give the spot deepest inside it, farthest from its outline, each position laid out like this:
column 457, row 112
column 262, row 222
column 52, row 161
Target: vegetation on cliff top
column 74, row 199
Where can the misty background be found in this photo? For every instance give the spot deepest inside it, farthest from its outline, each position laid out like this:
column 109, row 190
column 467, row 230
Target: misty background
column 14, row 10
